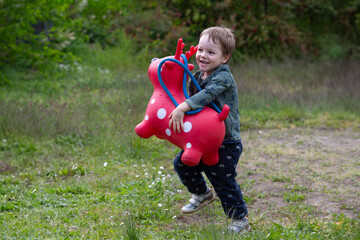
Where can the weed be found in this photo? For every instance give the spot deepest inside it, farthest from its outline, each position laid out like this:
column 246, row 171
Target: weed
column 293, row 197
column 131, row 230
column 279, row 178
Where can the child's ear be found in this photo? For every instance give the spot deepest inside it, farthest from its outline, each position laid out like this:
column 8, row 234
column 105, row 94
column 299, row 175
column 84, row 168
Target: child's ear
column 226, row 58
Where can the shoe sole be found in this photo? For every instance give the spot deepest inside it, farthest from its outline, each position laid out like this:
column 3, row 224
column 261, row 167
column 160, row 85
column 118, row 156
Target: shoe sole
column 207, row 202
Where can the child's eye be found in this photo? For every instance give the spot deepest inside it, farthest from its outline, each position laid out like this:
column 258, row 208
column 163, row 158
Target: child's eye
column 199, row 50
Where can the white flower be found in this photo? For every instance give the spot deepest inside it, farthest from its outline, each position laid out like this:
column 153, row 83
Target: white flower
column 105, row 164
column 143, row 165
column 159, row 172
column 179, row 191
column 161, row 167
column 174, row 217
column 160, row 205
column 137, row 176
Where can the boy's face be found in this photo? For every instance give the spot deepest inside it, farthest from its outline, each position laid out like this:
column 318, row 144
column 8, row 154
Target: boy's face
column 209, row 55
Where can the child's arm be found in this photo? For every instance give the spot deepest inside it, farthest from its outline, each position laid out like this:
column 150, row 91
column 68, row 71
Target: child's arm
column 177, row 117
column 204, row 97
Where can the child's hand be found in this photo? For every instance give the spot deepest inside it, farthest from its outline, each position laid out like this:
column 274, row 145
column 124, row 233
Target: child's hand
column 177, row 117
column 177, row 120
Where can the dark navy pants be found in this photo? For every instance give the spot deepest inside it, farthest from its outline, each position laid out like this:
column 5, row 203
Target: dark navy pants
column 221, row 176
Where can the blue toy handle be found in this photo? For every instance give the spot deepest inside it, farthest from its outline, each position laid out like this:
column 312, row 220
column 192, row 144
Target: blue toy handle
column 186, row 72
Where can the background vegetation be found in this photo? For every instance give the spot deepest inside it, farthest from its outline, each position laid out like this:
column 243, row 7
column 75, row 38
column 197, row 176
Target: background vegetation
column 73, row 84
column 40, row 32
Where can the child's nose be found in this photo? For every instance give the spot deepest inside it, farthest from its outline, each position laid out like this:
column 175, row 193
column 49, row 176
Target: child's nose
column 202, row 54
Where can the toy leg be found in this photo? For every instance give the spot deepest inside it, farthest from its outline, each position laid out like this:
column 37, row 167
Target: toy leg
column 211, row 158
column 144, row 130
column 191, row 157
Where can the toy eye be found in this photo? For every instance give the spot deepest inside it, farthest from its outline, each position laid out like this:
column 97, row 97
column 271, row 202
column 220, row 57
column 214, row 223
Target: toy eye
column 154, row 59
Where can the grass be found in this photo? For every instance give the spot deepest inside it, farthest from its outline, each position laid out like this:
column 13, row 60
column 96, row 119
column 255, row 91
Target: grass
column 71, row 166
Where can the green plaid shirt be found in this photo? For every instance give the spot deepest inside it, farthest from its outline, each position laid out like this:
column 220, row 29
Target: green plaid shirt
column 220, row 88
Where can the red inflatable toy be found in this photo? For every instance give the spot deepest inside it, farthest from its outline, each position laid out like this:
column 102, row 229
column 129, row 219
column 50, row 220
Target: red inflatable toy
column 203, row 132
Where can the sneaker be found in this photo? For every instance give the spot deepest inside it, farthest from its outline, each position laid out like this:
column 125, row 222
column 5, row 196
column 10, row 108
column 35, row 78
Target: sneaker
column 239, row 226
column 196, row 202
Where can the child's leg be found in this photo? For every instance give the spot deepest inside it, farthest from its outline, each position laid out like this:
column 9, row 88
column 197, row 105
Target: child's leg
column 191, row 177
column 222, row 177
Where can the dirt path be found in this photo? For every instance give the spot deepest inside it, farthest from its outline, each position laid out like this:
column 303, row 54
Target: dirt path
column 317, row 169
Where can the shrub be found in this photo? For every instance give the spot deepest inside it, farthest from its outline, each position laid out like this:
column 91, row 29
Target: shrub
column 36, row 33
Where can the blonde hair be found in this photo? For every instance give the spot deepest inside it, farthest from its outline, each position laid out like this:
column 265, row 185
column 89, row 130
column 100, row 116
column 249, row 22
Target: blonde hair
column 223, row 36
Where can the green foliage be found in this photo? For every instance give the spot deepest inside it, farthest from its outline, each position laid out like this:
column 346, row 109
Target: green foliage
column 36, row 33
column 4, row 80
column 131, row 230
column 100, row 19
column 286, row 28
column 18, row 146
column 39, row 33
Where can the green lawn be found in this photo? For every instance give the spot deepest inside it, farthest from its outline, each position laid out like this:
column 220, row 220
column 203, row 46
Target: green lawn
column 71, row 166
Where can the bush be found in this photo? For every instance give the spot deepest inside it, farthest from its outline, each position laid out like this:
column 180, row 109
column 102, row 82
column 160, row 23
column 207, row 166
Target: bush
column 36, row 33
column 41, row 32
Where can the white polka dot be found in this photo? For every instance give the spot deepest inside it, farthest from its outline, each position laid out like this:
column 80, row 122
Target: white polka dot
column 168, row 132
column 161, row 113
column 147, row 117
column 152, row 101
column 187, row 126
column 188, row 145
